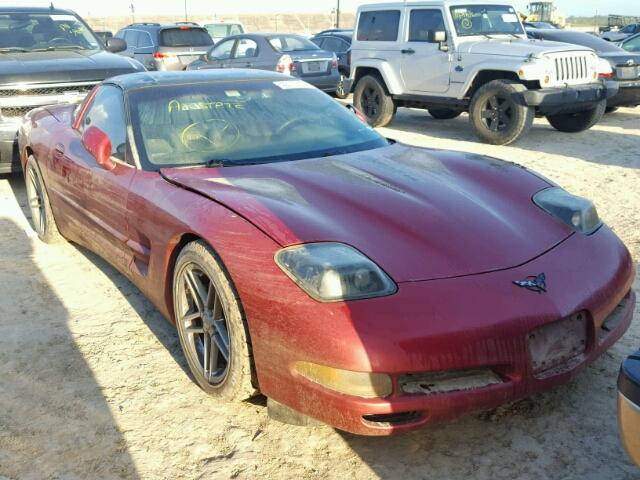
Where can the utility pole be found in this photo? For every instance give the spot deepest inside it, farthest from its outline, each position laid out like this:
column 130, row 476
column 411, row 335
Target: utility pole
column 133, row 13
column 186, row 18
column 338, row 15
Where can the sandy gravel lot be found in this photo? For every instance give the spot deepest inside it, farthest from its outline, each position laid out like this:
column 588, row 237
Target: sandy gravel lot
column 93, row 383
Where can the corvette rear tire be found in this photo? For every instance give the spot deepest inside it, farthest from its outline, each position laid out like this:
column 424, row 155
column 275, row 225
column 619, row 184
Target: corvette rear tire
column 578, row 122
column 444, row 113
column 497, row 113
column 42, row 218
column 372, row 99
column 211, row 326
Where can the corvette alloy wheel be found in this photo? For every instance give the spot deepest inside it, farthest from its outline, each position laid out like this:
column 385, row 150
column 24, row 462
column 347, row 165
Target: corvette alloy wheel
column 203, row 323
column 36, row 201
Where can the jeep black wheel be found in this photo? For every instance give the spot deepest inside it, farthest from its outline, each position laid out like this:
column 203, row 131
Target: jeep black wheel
column 444, row 113
column 578, row 122
column 371, row 98
column 498, row 114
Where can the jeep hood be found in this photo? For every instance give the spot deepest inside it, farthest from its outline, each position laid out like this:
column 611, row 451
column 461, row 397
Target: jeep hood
column 63, row 66
column 512, row 47
column 420, row 214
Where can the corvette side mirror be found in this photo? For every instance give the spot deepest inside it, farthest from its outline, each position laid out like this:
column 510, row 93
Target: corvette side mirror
column 98, row 145
column 357, row 113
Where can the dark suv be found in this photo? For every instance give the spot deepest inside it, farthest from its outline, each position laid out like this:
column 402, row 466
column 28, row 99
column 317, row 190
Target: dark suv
column 165, row 47
column 338, row 41
column 48, row 56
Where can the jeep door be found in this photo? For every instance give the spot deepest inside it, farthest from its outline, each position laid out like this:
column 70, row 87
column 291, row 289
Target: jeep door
column 425, row 67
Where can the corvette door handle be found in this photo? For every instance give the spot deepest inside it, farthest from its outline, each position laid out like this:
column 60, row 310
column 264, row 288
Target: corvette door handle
column 408, row 51
column 58, row 150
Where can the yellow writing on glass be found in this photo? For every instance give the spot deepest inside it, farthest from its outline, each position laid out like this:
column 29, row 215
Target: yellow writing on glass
column 176, row 106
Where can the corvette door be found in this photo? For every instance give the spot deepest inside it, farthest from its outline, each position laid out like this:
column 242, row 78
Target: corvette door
column 105, row 191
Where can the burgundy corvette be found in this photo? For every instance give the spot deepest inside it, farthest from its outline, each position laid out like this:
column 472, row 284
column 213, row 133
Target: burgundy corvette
column 371, row 285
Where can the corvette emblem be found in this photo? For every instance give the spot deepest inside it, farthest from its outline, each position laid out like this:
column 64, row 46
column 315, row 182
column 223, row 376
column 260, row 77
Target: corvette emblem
column 535, row 284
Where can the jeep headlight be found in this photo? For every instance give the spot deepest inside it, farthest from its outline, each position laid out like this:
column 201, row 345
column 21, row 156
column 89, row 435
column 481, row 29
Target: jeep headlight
column 576, row 212
column 333, row 272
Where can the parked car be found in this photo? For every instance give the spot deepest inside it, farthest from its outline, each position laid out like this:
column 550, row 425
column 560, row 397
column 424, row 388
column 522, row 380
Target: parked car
column 450, row 57
column 248, row 206
column 625, row 66
column 539, row 25
column 165, row 46
column 48, row 56
column 339, row 42
column 619, row 35
column 631, row 44
column 103, row 35
column 279, row 52
column 629, row 406
column 221, row 29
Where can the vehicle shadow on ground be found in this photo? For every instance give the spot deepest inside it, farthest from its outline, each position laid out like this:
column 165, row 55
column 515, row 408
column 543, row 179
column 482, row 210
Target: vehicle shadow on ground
column 157, row 324
column 601, row 145
column 54, row 420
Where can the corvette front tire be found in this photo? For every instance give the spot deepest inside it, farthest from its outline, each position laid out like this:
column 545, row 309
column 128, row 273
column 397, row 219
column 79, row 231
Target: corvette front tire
column 211, row 326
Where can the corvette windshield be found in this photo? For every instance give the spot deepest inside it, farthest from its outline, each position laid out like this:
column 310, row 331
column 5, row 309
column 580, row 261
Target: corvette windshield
column 242, row 123
column 29, row 32
column 486, row 20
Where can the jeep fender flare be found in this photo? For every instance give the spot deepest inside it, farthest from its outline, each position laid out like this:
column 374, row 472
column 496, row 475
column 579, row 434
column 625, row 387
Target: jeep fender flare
column 382, row 67
column 484, row 73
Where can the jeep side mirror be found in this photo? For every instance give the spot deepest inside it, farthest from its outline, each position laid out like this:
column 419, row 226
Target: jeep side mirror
column 440, row 37
column 115, row 45
column 98, row 145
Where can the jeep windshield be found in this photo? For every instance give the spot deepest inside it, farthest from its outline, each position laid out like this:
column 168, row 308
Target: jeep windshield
column 487, row 20
column 35, row 32
column 242, row 123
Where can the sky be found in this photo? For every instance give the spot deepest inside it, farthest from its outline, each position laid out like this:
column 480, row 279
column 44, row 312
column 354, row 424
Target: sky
column 204, row 7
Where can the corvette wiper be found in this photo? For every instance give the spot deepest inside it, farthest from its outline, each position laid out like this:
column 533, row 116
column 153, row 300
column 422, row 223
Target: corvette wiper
column 216, row 162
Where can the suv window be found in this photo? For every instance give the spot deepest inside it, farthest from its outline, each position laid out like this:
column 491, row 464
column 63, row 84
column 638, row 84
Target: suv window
column 424, row 23
column 632, row 45
column 333, row 44
column 184, row 37
column 107, row 113
column 380, row 26
column 144, row 40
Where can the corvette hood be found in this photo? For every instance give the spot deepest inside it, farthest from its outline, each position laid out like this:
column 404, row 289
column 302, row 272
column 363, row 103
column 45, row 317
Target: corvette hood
column 420, row 214
column 512, row 47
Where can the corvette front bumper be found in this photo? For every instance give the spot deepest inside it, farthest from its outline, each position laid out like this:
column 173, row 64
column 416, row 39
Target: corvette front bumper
column 466, row 324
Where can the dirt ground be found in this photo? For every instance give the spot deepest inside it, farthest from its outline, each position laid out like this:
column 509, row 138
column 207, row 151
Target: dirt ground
column 93, row 383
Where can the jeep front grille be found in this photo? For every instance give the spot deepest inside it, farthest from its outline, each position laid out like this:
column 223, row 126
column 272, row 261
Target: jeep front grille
column 573, row 69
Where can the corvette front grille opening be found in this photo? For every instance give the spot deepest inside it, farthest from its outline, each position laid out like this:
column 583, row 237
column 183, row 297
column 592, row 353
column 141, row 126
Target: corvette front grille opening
column 614, row 319
column 392, row 419
column 434, row 383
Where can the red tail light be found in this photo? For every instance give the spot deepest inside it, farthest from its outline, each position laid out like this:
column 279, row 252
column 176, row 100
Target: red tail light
column 334, row 62
column 606, row 76
column 184, row 28
column 285, row 65
column 161, row 55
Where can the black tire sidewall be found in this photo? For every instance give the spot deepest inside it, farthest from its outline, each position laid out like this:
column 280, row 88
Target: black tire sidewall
column 386, row 107
column 522, row 118
column 51, row 233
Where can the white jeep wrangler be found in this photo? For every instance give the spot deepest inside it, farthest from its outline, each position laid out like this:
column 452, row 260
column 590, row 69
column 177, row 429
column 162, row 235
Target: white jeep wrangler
column 451, row 57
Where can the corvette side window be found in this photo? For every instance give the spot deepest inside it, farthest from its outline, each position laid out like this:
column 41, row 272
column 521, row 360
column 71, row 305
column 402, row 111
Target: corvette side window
column 107, row 113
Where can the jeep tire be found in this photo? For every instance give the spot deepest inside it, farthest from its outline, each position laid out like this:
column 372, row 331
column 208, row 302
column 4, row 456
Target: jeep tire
column 373, row 100
column 444, row 113
column 580, row 121
column 498, row 113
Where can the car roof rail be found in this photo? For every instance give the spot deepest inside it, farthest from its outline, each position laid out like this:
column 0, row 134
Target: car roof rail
column 188, row 23
column 149, row 24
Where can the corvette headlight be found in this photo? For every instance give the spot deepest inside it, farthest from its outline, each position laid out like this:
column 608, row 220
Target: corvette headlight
column 577, row 212
column 333, row 272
